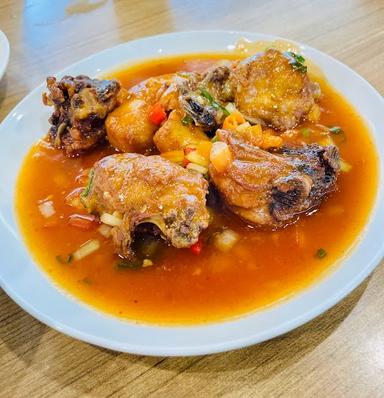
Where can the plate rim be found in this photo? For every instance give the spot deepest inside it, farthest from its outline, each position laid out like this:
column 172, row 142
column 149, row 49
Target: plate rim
column 4, row 42
column 230, row 344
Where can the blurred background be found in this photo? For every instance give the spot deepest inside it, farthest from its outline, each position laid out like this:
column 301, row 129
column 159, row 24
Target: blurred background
column 49, row 35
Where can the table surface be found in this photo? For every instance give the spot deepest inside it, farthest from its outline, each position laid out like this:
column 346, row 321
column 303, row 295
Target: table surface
column 339, row 354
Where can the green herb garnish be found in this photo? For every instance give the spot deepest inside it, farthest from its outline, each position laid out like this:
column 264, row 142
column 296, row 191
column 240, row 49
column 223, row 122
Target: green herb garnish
column 297, row 61
column 335, row 130
column 321, row 253
column 306, row 132
column 186, row 120
column 215, row 138
column 87, row 189
column 66, row 259
column 133, row 265
column 204, row 93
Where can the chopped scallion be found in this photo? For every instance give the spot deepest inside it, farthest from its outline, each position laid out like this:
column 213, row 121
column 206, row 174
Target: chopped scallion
column 87, row 189
column 335, row 130
column 186, row 120
column 297, row 61
column 321, row 253
column 204, row 93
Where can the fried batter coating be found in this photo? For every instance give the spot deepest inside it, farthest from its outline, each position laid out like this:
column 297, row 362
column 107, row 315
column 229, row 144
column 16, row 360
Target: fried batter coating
column 270, row 190
column 150, row 189
column 268, row 87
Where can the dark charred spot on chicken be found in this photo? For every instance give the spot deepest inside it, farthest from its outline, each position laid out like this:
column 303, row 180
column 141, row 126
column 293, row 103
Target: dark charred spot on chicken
column 80, row 106
column 204, row 101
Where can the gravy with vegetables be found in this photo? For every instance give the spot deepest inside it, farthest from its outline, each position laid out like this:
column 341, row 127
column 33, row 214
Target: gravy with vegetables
column 206, row 282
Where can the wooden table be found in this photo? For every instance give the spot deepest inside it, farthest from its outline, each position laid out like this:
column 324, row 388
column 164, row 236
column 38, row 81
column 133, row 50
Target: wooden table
column 339, row 354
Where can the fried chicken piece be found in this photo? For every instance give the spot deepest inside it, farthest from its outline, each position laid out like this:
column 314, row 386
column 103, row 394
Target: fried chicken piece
column 203, row 99
column 173, row 135
column 128, row 126
column 149, row 189
column 273, row 87
column 80, row 105
column 320, row 163
column 216, row 81
column 271, row 190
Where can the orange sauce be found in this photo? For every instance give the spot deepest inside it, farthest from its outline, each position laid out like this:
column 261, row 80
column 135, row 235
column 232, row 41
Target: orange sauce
column 183, row 288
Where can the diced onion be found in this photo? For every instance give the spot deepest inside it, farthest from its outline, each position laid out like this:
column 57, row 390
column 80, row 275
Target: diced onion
column 111, row 220
column 345, row 167
column 225, row 240
column 147, row 263
column 105, row 230
column 46, row 209
column 197, row 167
column 195, row 157
column 230, row 107
column 86, row 249
column 220, row 156
column 243, row 127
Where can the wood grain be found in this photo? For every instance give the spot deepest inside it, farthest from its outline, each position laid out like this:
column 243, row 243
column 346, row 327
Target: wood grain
column 339, row 354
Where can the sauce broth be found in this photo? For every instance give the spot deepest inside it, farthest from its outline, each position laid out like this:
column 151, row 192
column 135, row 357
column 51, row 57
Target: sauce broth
column 263, row 268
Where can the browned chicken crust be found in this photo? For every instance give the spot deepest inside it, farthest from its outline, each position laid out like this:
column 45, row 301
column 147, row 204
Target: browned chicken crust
column 270, row 190
column 150, row 189
column 80, row 105
column 269, row 88
column 128, row 126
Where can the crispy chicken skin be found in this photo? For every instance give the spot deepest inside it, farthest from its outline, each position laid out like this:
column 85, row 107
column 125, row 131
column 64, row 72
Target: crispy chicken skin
column 270, row 190
column 128, row 126
column 268, row 87
column 150, row 189
column 80, row 105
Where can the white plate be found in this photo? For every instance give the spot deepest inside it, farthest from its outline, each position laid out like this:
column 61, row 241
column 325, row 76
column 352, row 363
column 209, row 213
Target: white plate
column 31, row 289
column 4, row 53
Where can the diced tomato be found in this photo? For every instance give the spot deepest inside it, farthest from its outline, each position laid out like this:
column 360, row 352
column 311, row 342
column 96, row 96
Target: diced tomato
column 197, row 247
column 82, row 221
column 189, row 149
column 157, row 114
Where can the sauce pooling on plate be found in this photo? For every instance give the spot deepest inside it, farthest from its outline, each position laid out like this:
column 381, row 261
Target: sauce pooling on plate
column 185, row 286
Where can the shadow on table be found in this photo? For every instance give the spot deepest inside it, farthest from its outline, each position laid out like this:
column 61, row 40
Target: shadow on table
column 3, row 89
column 19, row 331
